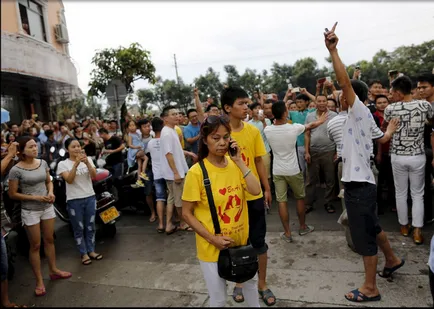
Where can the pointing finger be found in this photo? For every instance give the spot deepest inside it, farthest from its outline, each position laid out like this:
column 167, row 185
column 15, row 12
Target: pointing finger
column 334, row 27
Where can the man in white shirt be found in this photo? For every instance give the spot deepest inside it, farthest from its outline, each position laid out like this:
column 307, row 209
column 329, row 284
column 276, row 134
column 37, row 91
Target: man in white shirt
column 360, row 189
column 173, row 167
column 154, row 150
column 286, row 168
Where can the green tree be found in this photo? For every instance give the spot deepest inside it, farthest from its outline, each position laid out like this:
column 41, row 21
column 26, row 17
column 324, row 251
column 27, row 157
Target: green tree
column 276, row 81
column 128, row 64
column 146, row 98
column 233, row 77
column 168, row 91
column 209, row 84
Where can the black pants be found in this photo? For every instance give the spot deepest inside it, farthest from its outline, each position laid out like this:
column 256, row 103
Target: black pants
column 385, row 183
column 431, row 283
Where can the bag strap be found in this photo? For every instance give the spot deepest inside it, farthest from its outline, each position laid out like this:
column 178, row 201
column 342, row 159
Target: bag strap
column 207, row 184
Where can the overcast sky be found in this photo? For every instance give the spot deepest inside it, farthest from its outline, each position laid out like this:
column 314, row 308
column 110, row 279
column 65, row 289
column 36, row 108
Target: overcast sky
column 244, row 34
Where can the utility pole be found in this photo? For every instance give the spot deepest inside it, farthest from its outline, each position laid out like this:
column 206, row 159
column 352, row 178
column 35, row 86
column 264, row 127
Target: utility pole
column 176, row 69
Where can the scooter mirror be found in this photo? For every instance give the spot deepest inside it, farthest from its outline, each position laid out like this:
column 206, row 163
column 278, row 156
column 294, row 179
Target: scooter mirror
column 52, row 149
column 62, row 152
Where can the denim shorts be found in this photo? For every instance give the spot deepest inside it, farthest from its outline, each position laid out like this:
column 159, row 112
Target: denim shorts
column 148, row 184
column 160, row 189
column 4, row 260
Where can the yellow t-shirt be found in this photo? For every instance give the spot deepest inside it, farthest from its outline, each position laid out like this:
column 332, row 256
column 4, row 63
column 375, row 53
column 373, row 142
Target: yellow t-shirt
column 228, row 187
column 251, row 145
column 181, row 136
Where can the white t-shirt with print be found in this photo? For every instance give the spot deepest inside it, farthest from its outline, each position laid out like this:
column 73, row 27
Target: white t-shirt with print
column 283, row 139
column 356, row 144
column 82, row 185
column 169, row 143
column 153, row 148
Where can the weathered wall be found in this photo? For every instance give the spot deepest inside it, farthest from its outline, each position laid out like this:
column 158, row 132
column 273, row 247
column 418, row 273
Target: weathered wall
column 28, row 56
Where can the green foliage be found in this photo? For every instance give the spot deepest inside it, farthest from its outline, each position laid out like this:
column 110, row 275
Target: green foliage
column 128, row 64
column 410, row 60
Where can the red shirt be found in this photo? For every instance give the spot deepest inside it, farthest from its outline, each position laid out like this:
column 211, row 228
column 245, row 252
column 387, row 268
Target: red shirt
column 384, row 147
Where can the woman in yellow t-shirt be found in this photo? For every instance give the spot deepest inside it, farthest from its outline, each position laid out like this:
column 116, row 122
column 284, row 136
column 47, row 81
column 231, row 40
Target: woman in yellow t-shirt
column 230, row 178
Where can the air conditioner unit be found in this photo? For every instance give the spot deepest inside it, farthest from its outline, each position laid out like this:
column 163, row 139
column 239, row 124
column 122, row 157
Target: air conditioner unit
column 62, row 34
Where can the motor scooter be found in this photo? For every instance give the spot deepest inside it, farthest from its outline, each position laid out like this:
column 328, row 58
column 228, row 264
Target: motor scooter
column 106, row 212
column 132, row 197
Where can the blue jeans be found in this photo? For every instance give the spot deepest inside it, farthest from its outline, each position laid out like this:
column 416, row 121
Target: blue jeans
column 4, row 261
column 82, row 215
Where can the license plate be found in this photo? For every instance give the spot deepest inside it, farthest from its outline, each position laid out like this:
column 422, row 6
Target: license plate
column 109, row 214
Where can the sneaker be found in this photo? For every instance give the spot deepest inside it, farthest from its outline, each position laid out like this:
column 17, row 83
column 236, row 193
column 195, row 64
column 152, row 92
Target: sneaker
column 286, row 238
column 138, row 184
column 144, row 176
column 307, row 230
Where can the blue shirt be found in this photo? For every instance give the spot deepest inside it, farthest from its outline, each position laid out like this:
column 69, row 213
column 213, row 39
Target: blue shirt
column 300, row 117
column 191, row 131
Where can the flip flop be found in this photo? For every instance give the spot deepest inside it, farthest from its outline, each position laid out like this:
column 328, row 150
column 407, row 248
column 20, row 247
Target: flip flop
column 44, row 292
column 86, row 262
column 160, row 231
column 153, row 220
column 57, row 276
column 266, row 295
column 97, row 257
column 387, row 272
column 237, row 293
column 172, row 231
column 357, row 293
column 188, row 229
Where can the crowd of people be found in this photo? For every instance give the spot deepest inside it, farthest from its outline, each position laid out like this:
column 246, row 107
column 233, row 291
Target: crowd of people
column 365, row 144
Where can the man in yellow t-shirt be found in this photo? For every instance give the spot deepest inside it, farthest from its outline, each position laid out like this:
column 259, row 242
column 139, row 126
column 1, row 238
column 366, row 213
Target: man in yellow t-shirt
column 180, row 135
column 235, row 102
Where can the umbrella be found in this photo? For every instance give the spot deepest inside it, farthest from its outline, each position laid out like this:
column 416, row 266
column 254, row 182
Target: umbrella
column 5, row 116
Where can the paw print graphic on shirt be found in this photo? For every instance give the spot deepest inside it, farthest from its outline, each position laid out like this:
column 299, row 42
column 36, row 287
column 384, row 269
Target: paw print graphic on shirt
column 367, row 146
column 362, row 133
column 350, row 131
column 357, row 168
column 357, row 142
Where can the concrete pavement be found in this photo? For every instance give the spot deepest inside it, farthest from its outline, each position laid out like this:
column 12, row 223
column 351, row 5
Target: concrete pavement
column 143, row 268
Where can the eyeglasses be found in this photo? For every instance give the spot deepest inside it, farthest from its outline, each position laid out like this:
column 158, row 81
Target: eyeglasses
column 213, row 119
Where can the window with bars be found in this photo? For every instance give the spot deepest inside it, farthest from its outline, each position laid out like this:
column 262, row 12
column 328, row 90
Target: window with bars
column 32, row 19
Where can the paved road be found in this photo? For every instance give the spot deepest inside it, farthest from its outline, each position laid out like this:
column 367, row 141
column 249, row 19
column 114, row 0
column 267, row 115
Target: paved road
column 143, row 268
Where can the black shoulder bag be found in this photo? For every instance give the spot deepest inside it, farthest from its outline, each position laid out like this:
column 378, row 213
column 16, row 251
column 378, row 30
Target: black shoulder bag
column 238, row 264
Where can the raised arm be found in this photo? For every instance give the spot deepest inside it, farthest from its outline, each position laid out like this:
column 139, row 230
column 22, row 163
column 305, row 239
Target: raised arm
column 199, row 108
column 331, row 41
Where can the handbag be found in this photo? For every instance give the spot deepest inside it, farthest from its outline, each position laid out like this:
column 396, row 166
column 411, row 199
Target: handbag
column 237, row 264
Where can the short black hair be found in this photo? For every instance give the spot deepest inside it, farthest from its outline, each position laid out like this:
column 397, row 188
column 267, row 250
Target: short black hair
column 165, row 111
column 278, row 109
column 426, row 78
column 269, row 101
column 157, row 124
column 334, row 101
column 303, row 97
column 102, row 131
column 230, row 94
column 374, row 81
column 402, row 84
column 191, row 110
column 113, row 121
column 254, row 105
column 142, row 122
column 360, row 88
column 211, row 106
column 381, row 96
column 48, row 133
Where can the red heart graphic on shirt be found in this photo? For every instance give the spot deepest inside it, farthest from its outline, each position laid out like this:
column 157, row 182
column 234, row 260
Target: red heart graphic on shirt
column 222, row 191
